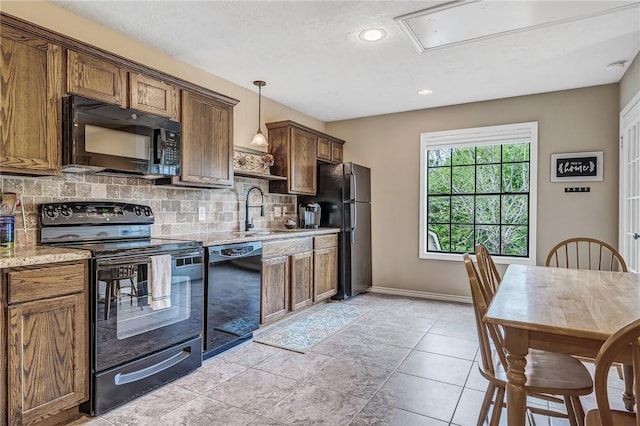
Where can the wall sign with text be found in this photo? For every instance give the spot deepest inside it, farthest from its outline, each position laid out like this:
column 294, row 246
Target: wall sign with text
column 576, row 167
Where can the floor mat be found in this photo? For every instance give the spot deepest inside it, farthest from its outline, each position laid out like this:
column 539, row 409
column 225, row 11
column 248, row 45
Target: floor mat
column 303, row 334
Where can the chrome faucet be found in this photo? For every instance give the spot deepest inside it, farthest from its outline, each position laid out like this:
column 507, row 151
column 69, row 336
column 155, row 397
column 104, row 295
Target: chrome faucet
column 248, row 224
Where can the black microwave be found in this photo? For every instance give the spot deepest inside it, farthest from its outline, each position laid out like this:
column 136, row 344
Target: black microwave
column 101, row 137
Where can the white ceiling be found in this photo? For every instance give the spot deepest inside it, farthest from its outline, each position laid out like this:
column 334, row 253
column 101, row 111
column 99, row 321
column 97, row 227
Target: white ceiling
column 310, row 55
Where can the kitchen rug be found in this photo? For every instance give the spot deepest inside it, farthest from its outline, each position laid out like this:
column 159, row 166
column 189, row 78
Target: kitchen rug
column 301, row 335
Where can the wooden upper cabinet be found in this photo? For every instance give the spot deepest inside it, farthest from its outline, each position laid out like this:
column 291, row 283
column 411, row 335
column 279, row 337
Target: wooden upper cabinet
column 302, row 162
column 330, row 150
column 324, row 149
column 96, row 79
column 296, row 150
column 207, row 142
column 30, row 104
column 154, row 96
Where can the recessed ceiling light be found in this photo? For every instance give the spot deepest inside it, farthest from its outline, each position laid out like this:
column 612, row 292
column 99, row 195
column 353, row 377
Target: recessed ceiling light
column 424, row 92
column 617, row 65
column 373, row 34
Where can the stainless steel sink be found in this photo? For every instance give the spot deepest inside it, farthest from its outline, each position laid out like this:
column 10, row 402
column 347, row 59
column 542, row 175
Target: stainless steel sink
column 266, row 231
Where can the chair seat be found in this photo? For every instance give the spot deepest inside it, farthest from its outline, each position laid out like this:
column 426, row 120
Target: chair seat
column 620, row 418
column 547, row 372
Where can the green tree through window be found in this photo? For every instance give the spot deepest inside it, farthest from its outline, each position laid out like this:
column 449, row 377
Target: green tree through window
column 479, row 195
column 477, row 190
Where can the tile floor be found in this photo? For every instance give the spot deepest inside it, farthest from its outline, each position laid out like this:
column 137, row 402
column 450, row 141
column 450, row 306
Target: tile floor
column 404, row 362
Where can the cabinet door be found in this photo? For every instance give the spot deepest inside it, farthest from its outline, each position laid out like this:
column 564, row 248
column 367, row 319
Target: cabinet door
column 325, row 273
column 302, row 162
column 301, row 280
column 336, row 152
column 324, row 149
column 275, row 285
column 96, row 79
column 154, row 96
column 207, row 142
column 30, row 103
column 47, row 357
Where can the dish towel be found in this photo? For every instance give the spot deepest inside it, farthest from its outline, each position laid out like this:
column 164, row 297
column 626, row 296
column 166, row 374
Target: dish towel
column 160, row 282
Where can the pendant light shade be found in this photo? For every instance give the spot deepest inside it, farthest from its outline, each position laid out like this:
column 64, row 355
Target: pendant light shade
column 259, row 139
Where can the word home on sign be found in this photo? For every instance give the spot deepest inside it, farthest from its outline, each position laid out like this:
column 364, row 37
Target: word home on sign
column 576, row 166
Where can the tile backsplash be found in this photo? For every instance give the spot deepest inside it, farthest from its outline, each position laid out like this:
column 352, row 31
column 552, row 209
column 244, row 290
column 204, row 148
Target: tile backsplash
column 175, row 208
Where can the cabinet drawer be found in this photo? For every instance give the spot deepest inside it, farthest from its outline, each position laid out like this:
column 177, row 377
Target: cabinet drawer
column 33, row 283
column 286, row 247
column 325, row 241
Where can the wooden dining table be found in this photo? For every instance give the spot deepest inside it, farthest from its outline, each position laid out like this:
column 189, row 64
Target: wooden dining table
column 559, row 310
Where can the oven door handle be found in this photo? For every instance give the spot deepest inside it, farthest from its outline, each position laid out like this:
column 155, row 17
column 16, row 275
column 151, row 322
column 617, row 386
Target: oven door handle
column 124, row 262
column 124, row 378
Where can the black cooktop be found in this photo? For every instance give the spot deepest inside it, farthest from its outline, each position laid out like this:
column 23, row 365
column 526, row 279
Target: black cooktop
column 105, row 228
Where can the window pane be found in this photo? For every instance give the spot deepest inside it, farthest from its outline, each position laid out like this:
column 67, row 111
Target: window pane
column 515, row 177
column 463, row 156
column 442, row 234
column 488, row 209
column 488, row 154
column 463, row 180
column 439, row 180
column 461, row 238
column 514, row 240
column 515, row 209
column 439, row 157
column 515, row 152
column 489, row 235
column 488, row 178
column 462, row 209
column 439, row 209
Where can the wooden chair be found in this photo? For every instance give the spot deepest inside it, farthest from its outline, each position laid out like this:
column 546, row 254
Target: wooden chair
column 623, row 340
column 488, row 271
column 586, row 253
column 550, row 376
column 113, row 290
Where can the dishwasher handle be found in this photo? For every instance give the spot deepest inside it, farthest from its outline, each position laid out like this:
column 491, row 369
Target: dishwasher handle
column 234, row 251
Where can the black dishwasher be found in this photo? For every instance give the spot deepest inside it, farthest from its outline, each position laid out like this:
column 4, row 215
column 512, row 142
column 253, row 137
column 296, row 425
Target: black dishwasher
column 232, row 311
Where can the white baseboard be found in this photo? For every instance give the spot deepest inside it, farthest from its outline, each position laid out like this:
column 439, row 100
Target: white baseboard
column 421, row 294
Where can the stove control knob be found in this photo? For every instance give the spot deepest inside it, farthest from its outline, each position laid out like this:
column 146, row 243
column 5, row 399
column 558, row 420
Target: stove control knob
column 91, row 211
column 147, row 211
column 137, row 211
column 66, row 212
column 51, row 212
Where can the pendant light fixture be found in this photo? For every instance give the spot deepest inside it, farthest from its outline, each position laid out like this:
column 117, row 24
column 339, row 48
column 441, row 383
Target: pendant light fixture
column 259, row 139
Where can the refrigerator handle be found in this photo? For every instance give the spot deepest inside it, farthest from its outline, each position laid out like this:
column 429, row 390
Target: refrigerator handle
column 354, row 219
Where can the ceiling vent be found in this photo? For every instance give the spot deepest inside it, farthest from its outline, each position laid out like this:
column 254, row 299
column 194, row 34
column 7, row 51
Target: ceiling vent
column 464, row 21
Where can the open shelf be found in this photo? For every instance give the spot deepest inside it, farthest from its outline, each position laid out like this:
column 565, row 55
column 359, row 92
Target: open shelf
column 258, row 175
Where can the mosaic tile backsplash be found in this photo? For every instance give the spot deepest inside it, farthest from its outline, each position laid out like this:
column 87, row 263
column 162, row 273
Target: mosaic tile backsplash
column 175, row 208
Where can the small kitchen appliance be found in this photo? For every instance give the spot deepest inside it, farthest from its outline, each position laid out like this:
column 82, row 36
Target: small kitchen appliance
column 309, row 215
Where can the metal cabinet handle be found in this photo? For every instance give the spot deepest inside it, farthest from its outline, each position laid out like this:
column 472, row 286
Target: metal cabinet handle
column 636, row 236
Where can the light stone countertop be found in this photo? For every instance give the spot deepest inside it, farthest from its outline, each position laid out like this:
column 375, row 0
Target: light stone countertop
column 40, row 254
column 36, row 255
column 219, row 238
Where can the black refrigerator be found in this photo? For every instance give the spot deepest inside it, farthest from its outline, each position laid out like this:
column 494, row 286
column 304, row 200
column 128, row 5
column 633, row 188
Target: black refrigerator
column 344, row 195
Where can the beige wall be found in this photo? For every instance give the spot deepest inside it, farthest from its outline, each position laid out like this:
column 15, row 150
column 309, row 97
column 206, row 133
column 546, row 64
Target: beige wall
column 569, row 121
column 630, row 83
column 62, row 21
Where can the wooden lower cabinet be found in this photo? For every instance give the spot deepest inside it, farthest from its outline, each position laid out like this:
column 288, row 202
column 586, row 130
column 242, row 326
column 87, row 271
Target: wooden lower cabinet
column 301, row 280
column 325, row 267
column 296, row 273
column 275, row 289
column 45, row 372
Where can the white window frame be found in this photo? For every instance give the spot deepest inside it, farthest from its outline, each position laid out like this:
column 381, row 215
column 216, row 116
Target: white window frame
column 477, row 136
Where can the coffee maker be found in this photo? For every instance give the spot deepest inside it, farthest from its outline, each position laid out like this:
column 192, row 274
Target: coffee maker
column 309, row 215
